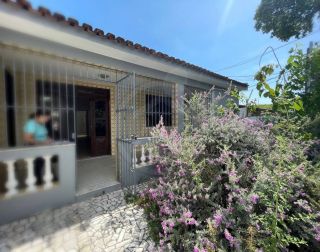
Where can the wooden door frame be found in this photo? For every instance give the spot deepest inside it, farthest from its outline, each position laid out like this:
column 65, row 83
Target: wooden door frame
column 93, row 93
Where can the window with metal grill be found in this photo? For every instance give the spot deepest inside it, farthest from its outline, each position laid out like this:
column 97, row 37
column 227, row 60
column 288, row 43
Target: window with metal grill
column 58, row 99
column 157, row 106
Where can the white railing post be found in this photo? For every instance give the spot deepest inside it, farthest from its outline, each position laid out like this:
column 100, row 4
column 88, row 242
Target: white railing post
column 150, row 154
column 143, row 156
column 47, row 172
column 31, row 180
column 12, row 183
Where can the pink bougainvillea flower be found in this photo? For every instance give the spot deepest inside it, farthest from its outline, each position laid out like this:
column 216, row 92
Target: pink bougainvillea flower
column 217, row 219
column 187, row 214
column 254, row 198
column 229, row 237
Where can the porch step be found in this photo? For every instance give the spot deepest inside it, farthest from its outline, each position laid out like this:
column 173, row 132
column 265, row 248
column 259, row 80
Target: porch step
column 98, row 192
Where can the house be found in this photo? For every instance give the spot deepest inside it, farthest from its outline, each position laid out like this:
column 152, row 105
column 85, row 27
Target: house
column 104, row 94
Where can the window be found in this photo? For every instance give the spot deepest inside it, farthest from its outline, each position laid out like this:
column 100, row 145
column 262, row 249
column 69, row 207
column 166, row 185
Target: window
column 10, row 101
column 58, row 98
column 157, row 106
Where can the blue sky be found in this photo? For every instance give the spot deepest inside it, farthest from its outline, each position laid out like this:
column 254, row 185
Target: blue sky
column 212, row 34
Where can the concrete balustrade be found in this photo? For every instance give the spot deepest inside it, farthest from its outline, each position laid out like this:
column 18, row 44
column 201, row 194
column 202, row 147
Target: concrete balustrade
column 31, row 179
column 38, row 165
column 142, row 155
column 11, row 180
column 135, row 161
column 12, row 183
column 48, row 176
column 35, row 178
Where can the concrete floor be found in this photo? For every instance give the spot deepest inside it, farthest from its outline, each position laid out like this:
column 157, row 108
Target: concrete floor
column 96, row 173
column 100, row 224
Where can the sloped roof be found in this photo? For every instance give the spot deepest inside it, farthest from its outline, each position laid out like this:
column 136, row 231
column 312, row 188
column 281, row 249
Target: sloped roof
column 72, row 22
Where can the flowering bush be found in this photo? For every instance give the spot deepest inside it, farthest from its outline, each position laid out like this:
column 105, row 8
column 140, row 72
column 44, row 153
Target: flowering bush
column 230, row 184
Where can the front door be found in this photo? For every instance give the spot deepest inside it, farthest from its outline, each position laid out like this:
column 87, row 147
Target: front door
column 93, row 122
column 99, row 128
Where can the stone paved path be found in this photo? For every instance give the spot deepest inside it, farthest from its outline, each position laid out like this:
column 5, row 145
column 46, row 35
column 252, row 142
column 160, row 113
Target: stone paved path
column 104, row 223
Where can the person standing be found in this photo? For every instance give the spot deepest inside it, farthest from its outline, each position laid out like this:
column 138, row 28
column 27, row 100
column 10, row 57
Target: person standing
column 36, row 133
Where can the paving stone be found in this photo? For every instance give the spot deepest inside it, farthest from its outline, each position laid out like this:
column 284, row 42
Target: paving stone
column 104, row 223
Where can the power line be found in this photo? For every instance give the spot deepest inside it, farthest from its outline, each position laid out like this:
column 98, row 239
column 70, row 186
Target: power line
column 252, row 86
column 245, row 76
column 243, row 62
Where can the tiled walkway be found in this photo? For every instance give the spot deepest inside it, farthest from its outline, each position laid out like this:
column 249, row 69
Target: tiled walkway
column 104, row 223
column 96, row 173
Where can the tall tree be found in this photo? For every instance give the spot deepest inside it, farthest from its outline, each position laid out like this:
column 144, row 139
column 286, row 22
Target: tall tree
column 287, row 18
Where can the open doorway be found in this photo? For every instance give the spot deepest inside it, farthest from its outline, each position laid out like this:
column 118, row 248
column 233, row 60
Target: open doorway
column 96, row 167
column 93, row 122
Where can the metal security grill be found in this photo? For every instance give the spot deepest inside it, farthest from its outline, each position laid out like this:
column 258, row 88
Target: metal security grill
column 213, row 95
column 141, row 102
column 126, row 106
column 31, row 80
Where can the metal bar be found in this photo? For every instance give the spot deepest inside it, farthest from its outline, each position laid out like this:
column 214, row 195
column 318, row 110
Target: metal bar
column 133, row 168
column 74, row 106
column 14, row 82
column 5, row 104
column 153, row 107
column 67, row 102
column 134, row 102
column 51, row 108
column 123, row 78
column 34, row 83
column 125, row 102
column 59, row 88
column 42, row 84
column 162, row 107
column 25, row 91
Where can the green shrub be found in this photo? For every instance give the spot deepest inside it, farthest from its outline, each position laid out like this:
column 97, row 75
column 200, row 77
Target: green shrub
column 231, row 184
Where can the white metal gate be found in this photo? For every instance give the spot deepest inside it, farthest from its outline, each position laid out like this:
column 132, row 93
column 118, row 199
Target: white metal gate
column 133, row 150
column 126, row 123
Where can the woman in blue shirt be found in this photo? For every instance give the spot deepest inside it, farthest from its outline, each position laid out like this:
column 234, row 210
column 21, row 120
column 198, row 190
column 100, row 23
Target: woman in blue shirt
column 35, row 131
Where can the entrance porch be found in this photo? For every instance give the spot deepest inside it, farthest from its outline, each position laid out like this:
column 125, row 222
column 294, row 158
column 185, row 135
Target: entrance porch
column 96, row 175
column 101, row 119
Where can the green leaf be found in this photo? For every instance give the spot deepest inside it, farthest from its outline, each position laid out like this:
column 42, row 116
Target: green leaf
column 270, row 90
column 298, row 105
column 290, row 59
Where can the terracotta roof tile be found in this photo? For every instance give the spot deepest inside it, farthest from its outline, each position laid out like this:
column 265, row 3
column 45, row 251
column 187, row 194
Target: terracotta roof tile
column 73, row 22
column 87, row 27
column 153, row 52
column 98, row 32
column 129, row 43
column 137, row 46
column 144, row 48
column 44, row 11
column 121, row 40
column 24, row 4
column 59, row 17
column 110, row 36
